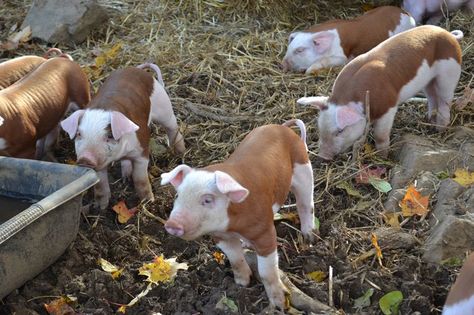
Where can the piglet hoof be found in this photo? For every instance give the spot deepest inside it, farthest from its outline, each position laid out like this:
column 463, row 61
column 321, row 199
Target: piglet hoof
column 277, row 298
column 242, row 277
column 102, row 202
column 309, row 238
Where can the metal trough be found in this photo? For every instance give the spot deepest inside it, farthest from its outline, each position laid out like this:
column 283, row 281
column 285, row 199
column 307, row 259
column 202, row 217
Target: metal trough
column 34, row 238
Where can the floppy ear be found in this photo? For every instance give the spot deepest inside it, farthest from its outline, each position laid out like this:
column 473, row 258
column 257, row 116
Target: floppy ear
column 71, row 123
column 318, row 102
column 176, row 176
column 292, row 36
column 229, row 186
column 322, row 41
column 121, row 125
column 348, row 115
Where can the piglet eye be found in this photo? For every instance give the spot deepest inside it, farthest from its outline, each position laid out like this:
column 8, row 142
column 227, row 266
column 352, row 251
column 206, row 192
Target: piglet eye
column 339, row 131
column 207, row 200
column 299, row 50
column 78, row 134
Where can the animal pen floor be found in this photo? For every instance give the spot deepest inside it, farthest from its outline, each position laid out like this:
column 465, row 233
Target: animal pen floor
column 220, row 63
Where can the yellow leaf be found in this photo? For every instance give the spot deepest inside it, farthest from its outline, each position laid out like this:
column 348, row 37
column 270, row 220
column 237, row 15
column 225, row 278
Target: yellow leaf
column 391, row 218
column 122, row 309
column 367, row 7
column 124, row 214
column 463, row 177
column 317, row 275
column 114, row 271
column 378, row 251
column 102, row 60
column 290, row 216
column 161, row 270
column 219, row 257
column 414, row 203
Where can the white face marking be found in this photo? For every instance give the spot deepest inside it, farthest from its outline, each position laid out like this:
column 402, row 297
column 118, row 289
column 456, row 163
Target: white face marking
column 465, row 306
column 406, row 22
column 333, row 141
column 3, row 144
column 193, row 212
column 301, row 53
column 95, row 141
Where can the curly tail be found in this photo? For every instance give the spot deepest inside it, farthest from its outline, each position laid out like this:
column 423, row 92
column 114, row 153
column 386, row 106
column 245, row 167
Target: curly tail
column 301, row 125
column 154, row 68
column 58, row 53
column 458, row 34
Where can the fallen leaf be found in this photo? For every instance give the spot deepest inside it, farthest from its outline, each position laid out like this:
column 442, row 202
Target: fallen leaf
column 390, row 302
column 368, row 149
column 380, row 184
column 114, row 271
column 124, row 214
column 463, row 177
column 364, row 175
column 317, row 276
column 219, row 257
column 466, row 98
column 364, row 300
column 161, row 270
column 378, row 251
column 414, row 203
column 102, row 60
column 227, row 304
column 316, row 223
column 61, row 306
column 290, row 216
column 123, row 308
column 367, row 7
column 350, row 190
column 15, row 39
column 391, row 218
column 452, row 262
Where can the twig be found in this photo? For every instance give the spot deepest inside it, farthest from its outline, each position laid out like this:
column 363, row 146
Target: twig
column 330, row 289
column 207, row 114
column 358, row 144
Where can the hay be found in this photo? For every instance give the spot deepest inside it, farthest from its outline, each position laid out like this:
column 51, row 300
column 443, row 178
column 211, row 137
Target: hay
column 220, row 63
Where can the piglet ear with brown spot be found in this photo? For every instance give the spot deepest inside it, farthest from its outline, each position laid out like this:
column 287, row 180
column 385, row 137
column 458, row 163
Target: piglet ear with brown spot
column 229, row 186
column 71, row 123
column 318, row 102
column 176, row 176
column 121, row 125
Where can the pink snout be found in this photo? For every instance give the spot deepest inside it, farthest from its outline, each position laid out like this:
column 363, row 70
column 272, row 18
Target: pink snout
column 174, row 228
column 88, row 160
column 285, row 65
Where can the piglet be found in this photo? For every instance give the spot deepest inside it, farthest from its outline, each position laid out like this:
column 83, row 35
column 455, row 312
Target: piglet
column 425, row 58
column 460, row 299
column 335, row 42
column 431, row 11
column 235, row 200
column 33, row 106
column 115, row 126
column 14, row 69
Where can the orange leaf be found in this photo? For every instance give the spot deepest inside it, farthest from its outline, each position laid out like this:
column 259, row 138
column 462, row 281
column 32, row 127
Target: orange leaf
column 124, row 214
column 219, row 257
column 414, row 203
column 59, row 307
column 378, row 251
column 366, row 173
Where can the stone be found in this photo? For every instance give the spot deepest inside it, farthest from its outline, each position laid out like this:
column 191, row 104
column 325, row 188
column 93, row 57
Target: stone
column 447, row 203
column 64, row 21
column 451, row 238
column 392, row 238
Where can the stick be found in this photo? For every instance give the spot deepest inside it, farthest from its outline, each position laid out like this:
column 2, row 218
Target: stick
column 220, row 118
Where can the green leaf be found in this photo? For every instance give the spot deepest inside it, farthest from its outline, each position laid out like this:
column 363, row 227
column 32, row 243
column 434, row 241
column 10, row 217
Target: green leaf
column 380, row 184
column 390, row 302
column 316, row 223
column 349, row 189
column 364, row 300
column 452, row 262
column 227, row 304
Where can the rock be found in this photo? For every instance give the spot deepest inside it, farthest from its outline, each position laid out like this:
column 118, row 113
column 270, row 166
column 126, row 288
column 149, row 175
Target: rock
column 452, row 237
column 64, row 21
column 391, row 238
column 447, row 204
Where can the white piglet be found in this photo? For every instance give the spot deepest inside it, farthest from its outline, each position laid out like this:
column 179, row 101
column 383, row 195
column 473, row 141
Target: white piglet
column 431, row 11
column 115, row 126
column 425, row 58
column 335, row 42
column 235, row 200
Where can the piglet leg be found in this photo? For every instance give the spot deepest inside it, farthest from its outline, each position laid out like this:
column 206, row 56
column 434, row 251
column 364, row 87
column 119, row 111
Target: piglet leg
column 302, row 186
column 102, row 189
column 126, row 168
column 382, row 128
column 327, row 62
column 269, row 273
column 140, row 178
column 233, row 250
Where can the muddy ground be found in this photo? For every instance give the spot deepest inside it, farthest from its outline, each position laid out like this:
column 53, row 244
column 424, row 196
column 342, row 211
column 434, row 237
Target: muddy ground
column 223, row 59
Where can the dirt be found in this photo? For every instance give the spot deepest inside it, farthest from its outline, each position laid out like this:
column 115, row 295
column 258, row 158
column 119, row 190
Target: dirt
column 240, row 78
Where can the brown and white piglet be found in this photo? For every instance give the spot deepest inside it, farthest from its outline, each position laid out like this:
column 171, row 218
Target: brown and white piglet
column 425, row 58
column 235, row 200
column 335, row 42
column 431, row 11
column 115, row 127
column 14, row 69
column 33, row 107
column 460, row 299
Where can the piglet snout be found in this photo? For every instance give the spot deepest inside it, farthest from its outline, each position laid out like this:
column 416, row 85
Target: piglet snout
column 285, row 65
column 88, row 161
column 174, row 228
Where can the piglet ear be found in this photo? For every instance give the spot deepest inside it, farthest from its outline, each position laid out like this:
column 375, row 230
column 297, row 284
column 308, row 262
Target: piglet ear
column 318, row 102
column 292, row 36
column 121, row 125
column 322, row 41
column 71, row 123
column 176, row 176
column 229, row 186
column 1, row 120
column 348, row 115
